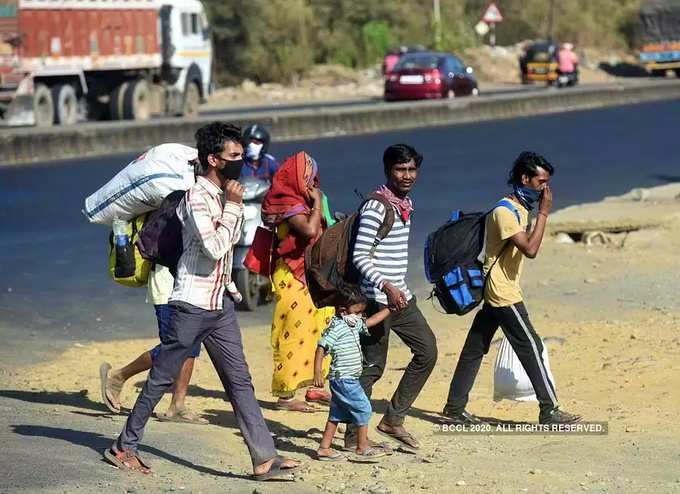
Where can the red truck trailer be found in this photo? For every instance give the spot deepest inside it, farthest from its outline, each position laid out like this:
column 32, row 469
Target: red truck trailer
column 61, row 60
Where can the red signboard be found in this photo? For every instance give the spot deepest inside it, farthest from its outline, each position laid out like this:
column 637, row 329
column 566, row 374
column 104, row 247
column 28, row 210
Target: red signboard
column 492, row 14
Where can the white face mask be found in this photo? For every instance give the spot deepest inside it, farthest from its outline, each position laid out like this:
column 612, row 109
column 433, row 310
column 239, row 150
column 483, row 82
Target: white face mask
column 253, row 150
column 352, row 320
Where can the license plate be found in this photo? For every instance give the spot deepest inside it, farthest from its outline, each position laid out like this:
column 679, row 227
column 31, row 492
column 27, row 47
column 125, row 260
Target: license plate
column 411, row 79
column 541, row 71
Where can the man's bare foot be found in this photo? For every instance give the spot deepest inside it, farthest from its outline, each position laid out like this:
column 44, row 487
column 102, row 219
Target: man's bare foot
column 399, row 434
column 276, row 467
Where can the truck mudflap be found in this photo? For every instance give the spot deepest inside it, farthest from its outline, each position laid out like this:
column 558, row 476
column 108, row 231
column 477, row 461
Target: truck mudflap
column 18, row 107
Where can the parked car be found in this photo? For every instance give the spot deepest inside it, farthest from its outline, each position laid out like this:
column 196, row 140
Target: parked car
column 427, row 75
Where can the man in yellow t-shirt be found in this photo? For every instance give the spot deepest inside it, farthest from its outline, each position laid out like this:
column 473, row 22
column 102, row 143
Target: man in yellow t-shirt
column 507, row 244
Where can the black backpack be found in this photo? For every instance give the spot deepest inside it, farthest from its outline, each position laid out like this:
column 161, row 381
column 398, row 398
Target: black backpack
column 330, row 273
column 452, row 261
column 160, row 239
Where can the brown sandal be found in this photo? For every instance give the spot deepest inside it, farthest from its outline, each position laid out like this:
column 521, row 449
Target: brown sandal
column 127, row 460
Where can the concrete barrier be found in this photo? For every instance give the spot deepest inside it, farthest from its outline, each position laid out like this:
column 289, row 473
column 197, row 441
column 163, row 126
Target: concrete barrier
column 28, row 145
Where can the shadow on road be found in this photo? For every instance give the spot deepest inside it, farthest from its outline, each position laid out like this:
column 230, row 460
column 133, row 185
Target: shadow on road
column 72, row 399
column 98, row 443
column 669, row 179
column 623, row 70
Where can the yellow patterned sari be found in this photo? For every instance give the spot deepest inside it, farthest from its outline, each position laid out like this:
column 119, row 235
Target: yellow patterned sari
column 296, row 328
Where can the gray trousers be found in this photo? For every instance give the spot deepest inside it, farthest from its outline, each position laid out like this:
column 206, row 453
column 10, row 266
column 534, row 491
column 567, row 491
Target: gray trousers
column 220, row 333
column 409, row 325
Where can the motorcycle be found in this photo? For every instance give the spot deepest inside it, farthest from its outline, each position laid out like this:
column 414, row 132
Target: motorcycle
column 255, row 289
column 567, row 79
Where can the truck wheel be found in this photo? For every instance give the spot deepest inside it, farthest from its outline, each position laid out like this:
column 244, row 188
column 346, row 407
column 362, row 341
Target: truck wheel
column 659, row 73
column 43, row 106
column 116, row 101
column 246, row 282
column 192, row 99
column 137, row 101
column 677, row 72
column 65, row 104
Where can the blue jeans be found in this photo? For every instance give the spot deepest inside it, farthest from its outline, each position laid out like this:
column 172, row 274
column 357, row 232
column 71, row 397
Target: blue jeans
column 163, row 317
column 349, row 403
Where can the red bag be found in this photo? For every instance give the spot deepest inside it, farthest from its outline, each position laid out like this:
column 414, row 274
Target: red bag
column 259, row 256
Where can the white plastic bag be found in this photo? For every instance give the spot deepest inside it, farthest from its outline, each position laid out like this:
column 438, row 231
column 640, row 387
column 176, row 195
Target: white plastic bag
column 143, row 184
column 510, row 381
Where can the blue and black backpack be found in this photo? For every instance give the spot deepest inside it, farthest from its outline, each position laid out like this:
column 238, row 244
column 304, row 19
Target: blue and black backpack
column 452, row 259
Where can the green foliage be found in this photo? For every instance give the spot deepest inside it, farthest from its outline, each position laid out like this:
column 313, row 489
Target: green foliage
column 277, row 40
column 376, row 39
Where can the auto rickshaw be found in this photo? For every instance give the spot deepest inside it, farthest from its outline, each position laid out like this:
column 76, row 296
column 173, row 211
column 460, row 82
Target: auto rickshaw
column 539, row 62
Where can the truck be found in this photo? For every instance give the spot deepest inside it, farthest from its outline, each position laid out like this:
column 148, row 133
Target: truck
column 62, row 61
column 660, row 34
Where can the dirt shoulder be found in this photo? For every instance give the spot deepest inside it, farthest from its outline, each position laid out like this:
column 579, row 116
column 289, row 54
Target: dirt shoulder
column 609, row 307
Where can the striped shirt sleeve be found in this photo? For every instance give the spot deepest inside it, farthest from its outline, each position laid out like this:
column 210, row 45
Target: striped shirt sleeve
column 216, row 240
column 371, row 217
column 329, row 338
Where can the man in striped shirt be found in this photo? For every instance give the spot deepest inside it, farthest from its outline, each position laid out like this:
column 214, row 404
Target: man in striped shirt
column 202, row 307
column 383, row 265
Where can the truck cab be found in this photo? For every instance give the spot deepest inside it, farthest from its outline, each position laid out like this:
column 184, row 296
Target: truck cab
column 65, row 60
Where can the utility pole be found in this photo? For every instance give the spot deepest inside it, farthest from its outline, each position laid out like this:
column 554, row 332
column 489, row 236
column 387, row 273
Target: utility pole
column 551, row 21
column 437, row 24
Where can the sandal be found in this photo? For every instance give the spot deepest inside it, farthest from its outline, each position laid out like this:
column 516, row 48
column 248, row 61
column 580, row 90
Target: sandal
column 351, row 446
column 406, row 441
column 318, row 395
column 127, row 460
column 369, row 455
column 110, row 392
column 277, row 470
column 295, row 406
column 334, row 456
column 183, row 416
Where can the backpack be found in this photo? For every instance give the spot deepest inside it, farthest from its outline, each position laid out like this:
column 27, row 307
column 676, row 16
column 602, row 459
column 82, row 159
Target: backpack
column 452, row 260
column 160, row 239
column 329, row 270
column 139, row 267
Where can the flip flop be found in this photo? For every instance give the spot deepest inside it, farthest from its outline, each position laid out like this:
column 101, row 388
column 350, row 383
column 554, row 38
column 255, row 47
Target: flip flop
column 296, row 406
column 384, row 446
column 404, row 439
column 127, row 461
column 334, row 456
column 181, row 417
column 104, row 384
column 276, row 471
column 369, row 456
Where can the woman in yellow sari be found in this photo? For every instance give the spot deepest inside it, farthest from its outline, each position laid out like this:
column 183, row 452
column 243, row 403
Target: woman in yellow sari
column 295, row 206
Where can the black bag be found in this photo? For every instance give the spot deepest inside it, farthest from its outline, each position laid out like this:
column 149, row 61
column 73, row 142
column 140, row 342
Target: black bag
column 329, row 270
column 160, row 239
column 452, row 261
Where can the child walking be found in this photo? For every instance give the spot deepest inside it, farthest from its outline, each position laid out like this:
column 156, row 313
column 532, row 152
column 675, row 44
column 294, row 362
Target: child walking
column 349, row 403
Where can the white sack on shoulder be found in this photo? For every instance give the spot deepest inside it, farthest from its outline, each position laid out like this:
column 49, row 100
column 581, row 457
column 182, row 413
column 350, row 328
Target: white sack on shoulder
column 143, row 184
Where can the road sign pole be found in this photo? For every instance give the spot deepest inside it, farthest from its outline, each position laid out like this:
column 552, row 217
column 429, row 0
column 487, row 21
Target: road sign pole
column 492, row 35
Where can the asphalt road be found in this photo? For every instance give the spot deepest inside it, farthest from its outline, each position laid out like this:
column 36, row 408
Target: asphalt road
column 54, row 288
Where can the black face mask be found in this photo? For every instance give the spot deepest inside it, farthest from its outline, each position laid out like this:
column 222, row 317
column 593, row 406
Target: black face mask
column 232, row 169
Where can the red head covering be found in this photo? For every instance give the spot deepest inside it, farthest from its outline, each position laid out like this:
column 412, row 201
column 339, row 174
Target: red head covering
column 287, row 197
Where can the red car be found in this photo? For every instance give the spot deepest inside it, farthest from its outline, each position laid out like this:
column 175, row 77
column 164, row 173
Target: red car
column 428, row 75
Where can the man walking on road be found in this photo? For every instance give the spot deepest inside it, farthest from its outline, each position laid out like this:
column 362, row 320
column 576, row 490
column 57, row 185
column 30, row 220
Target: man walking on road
column 383, row 265
column 202, row 309
column 507, row 243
